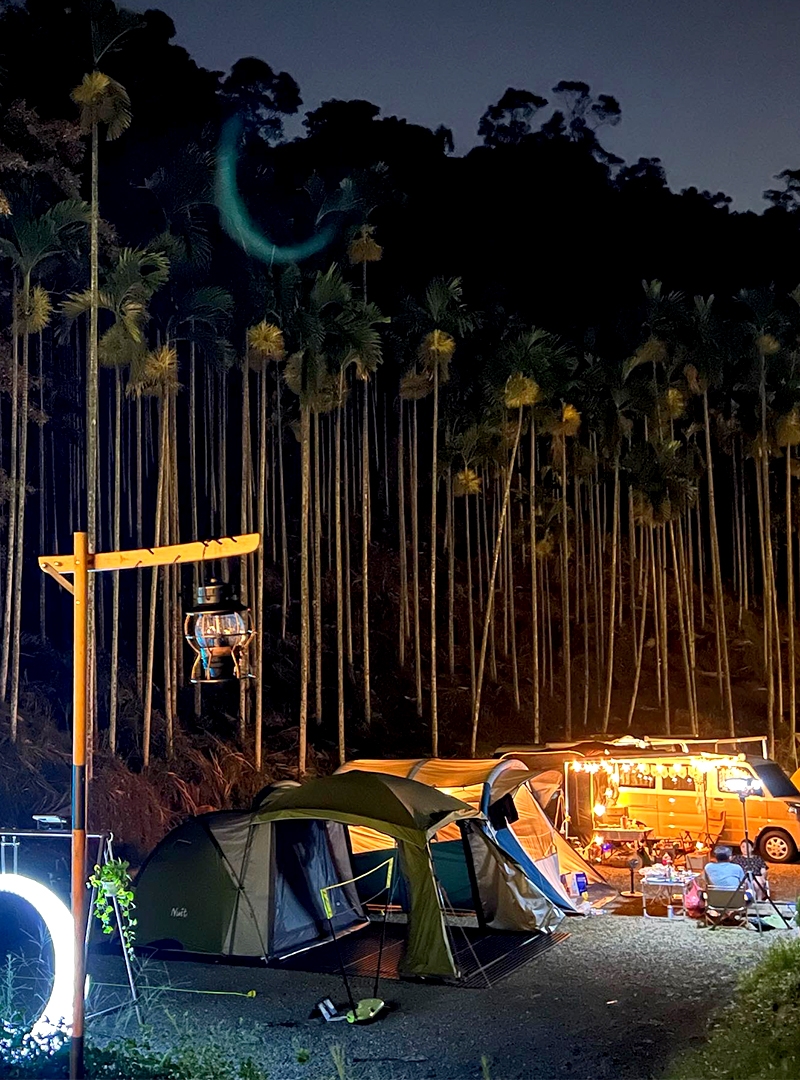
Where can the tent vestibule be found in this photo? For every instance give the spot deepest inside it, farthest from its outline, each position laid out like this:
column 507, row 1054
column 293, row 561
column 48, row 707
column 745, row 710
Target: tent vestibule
column 503, row 791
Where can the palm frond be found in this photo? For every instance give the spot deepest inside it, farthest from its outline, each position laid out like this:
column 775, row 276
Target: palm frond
column 363, row 248
column 265, row 341
column 34, row 315
column 102, row 100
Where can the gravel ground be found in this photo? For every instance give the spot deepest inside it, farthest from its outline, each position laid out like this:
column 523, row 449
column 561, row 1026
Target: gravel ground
column 617, row 1000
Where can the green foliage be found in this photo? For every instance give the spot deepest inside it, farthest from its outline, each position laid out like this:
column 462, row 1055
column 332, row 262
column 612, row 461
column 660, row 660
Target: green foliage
column 21, row 1058
column 113, row 882
column 759, row 1034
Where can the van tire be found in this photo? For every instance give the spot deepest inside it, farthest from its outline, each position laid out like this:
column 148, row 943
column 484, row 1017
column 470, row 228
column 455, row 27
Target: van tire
column 777, row 846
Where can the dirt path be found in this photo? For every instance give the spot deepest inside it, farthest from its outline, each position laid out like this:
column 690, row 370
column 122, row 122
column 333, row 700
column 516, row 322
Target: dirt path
column 617, row 1000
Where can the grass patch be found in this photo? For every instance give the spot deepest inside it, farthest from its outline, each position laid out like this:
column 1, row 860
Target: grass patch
column 758, row 1034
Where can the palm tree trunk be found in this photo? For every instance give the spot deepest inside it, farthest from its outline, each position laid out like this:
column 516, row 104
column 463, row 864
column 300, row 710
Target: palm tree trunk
column 512, row 615
column 401, row 517
column 434, row 494
column 415, row 556
column 151, row 649
column 284, row 538
column 42, row 494
column 470, row 616
column 11, row 533
column 365, row 531
column 337, row 495
column 680, row 604
column 565, row 630
column 451, row 574
column 661, row 559
column 584, row 596
column 639, row 644
column 193, row 484
column 92, row 436
column 305, row 644
column 348, row 611
column 21, row 495
column 317, row 601
column 139, row 540
column 534, row 593
column 612, row 598
column 790, row 604
column 261, row 555
column 116, row 540
column 476, row 711
column 719, row 600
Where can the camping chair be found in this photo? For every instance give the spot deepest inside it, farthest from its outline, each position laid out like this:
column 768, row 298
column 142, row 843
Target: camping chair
column 716, row 827
column 696, row 861
column 726, row 907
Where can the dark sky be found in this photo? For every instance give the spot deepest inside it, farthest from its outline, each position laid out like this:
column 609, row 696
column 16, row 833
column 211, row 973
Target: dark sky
column 712, row 87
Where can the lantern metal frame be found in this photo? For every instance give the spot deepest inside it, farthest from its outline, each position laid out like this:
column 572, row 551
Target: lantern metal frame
column 221, row 601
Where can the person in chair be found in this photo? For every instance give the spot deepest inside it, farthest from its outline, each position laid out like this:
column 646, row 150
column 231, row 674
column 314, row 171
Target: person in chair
column 722, row 873
column 753, row 864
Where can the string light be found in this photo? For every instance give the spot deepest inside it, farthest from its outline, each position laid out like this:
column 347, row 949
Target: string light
column 56, row 1016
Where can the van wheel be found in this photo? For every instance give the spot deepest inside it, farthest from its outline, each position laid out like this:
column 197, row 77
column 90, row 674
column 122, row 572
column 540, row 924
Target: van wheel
column 777, row 846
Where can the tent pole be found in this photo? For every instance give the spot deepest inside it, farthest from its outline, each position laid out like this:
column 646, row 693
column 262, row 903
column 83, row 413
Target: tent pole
column 473, row 880
column 389, row 895
column 342, row 968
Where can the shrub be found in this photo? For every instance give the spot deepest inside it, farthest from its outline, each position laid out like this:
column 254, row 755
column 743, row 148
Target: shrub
column 758, row 1035
column 23, row 1059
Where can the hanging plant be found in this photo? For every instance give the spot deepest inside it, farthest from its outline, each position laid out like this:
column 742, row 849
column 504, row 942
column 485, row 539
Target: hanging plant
column 111, row 883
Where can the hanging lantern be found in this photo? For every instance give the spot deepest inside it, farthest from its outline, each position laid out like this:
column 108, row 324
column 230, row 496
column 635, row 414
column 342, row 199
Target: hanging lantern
column 219, row 630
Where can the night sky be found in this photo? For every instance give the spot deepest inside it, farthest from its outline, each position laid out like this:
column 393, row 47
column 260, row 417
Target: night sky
column 712, row 87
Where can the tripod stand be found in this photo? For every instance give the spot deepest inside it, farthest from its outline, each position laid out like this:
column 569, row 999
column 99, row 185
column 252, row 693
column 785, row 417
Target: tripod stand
column 749, row 875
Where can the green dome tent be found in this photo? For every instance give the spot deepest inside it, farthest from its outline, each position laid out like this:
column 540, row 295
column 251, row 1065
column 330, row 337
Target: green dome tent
column 248, row 884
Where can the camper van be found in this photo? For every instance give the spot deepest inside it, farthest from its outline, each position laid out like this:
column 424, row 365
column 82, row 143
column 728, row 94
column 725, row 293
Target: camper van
column 682, row 796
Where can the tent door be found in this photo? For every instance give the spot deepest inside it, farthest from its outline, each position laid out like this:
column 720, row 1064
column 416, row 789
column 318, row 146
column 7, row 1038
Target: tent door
column 473, row 880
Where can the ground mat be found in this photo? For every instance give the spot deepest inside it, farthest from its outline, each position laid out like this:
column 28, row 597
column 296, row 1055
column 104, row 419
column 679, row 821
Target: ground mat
column 484, row 958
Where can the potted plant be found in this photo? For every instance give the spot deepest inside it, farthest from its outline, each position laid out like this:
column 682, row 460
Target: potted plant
column 112, row 885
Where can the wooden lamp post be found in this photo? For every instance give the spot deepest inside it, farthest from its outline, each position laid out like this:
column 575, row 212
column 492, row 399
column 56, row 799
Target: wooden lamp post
column 80, row 564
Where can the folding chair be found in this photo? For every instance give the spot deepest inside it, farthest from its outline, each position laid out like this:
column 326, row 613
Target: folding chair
column 726, row 907
column 696, row 861
column 716, row 827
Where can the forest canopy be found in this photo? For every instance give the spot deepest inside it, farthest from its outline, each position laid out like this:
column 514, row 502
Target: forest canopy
column 516, row 426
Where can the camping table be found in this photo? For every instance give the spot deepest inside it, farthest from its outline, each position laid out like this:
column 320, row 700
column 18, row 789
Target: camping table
column 632, row 839
column 661, row 885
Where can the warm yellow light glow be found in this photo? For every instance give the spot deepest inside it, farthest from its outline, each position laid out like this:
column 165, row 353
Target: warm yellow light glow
column 599, row 809
column 56, row 1016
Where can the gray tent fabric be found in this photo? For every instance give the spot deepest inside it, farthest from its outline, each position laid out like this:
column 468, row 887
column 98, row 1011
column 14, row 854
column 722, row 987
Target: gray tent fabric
column 510, row 899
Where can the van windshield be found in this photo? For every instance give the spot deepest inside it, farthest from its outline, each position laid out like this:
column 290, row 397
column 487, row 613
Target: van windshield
column 776, row 781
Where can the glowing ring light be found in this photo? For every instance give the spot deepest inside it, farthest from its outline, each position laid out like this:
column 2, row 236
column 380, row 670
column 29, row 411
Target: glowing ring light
column 57, row 1013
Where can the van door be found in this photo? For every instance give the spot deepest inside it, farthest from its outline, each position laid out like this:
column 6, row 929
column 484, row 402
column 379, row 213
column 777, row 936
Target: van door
column 679, row 804
column 637, row 793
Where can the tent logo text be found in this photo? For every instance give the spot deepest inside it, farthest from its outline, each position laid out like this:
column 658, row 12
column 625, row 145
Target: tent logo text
column 179, row 913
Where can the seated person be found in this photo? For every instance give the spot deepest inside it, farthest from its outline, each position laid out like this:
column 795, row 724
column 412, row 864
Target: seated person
column 753, row 864
column 723, row 874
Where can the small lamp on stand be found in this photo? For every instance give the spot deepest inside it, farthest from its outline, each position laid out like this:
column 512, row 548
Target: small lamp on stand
column 219, row 629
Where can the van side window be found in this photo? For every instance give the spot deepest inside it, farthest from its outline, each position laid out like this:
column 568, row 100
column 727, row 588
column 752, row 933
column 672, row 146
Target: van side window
column 629, row 776
column 671, row 782
column 736, row 772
